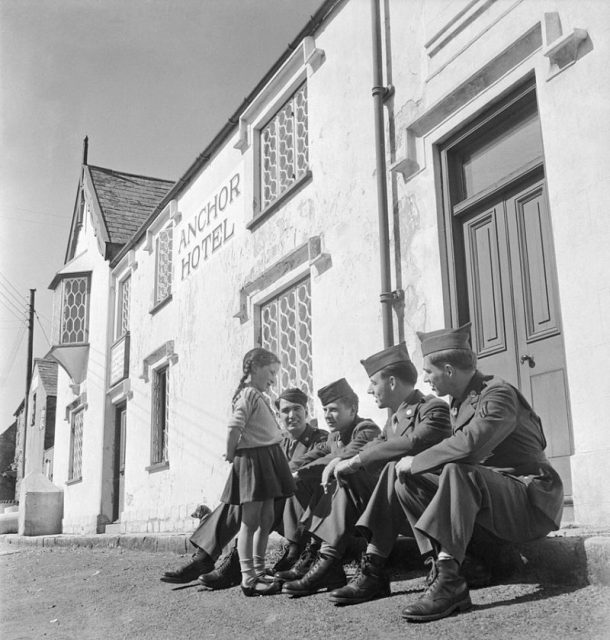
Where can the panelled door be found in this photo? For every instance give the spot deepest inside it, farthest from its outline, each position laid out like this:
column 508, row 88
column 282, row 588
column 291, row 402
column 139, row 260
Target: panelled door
column 514, row 307
column 120, row 424
column 502, row 264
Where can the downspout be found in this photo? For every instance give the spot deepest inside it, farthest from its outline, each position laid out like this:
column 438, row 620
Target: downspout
column 379, row 94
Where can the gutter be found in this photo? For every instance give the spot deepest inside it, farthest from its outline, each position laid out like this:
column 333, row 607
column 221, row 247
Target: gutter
column 318, row 18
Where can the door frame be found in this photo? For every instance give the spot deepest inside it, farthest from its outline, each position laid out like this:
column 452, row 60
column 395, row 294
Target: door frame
column 450, row 244
column 120, row 434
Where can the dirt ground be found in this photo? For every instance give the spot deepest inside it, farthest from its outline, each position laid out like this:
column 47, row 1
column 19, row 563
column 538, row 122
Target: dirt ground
column 95, row 594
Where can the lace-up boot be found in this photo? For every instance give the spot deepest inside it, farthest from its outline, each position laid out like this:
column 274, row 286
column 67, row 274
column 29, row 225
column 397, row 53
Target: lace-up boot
column 325, row 573
column 226, row 575
column 291, row 553
column 302, row 565
column 370, row 582
column 446, row 593
column 201, row 563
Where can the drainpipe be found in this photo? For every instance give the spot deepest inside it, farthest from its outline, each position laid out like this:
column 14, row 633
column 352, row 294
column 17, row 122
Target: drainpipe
column 379, row 94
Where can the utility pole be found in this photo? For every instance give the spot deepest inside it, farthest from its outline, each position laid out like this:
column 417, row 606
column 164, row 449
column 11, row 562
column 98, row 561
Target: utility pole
column 28, row 377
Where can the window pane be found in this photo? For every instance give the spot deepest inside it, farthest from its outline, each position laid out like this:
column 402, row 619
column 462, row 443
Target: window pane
column 122, row 326
column 76, row 446
column 499, row 151
column 160, row 415
column 163, row 285
column 286, row 331
column 284, row 148
column 74, row 323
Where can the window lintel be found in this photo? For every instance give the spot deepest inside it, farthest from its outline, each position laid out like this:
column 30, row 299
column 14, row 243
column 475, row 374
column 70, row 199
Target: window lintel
column 304, row 60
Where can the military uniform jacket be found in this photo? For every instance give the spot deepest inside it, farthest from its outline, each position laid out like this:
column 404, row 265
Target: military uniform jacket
column 495, row 426
column 419, row 422
column 296, row 448
column 343, row 445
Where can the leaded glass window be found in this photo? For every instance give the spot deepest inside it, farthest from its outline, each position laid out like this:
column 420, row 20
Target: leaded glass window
column 284, row 148
column 160, row 415
column 286, row 331
column 74, row 326
column 75, row 469
column 122, row 320
column 163, row 265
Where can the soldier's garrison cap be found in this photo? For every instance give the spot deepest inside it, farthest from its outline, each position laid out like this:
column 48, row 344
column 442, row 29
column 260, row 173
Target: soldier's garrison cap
column 335, row 390
column 390, row 355
column 293, row 395
column 444, row 339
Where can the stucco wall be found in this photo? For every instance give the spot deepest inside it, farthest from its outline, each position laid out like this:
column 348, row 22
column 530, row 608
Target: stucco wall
column 573, row 109
column 82, row 499
column 338, row 204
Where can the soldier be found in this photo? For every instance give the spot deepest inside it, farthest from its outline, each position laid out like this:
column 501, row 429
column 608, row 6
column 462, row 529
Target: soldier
column 220, row 527
column 491, row 473
column 417, row 422
column 349, row 434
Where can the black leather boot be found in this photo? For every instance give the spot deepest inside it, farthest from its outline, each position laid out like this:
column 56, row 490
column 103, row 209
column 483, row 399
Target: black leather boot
column 302, row 565
column 474, row 570
column 226, row 575
column 326, row 573
column 370, row 582
column 291, row 554
column 447, row 593
column 201, row 563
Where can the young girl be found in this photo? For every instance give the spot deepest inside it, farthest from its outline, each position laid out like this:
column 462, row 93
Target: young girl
column 259, row 472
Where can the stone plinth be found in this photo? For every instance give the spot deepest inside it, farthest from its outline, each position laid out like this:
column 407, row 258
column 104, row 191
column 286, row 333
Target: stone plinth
column 41, row 506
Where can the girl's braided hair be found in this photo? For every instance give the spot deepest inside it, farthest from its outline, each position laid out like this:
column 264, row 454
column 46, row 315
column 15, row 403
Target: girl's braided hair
column 257, row 357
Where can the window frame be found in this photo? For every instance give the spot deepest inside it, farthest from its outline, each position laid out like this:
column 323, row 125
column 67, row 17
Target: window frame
column 159, row 301
column 60, row 318
column 33, row 410
column 160, row 420
column 261, row 207
column 276, row 296
column 119, row 330
column 76, row 415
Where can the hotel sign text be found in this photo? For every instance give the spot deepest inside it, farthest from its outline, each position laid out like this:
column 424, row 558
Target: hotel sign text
column 209, row 229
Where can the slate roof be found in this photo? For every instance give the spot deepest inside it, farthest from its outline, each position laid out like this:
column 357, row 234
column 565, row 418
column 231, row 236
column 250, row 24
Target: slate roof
column 126, row 200
column 47, row 370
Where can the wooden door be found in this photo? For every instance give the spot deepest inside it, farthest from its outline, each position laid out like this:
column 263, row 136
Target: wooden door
column 118, row 501
column 514, row 306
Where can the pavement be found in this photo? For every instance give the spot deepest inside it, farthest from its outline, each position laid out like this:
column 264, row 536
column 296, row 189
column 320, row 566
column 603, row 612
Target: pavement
column 574, row 555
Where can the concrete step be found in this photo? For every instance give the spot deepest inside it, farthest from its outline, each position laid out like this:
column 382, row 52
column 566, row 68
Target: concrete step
column 572, row 556
column 114, row 528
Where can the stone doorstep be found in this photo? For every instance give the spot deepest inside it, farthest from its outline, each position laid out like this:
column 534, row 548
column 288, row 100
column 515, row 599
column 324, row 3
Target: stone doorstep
column 565, row 557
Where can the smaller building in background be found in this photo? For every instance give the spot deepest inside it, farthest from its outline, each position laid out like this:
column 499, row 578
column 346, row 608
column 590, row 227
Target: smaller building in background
column 7, row 459
column 42, row 402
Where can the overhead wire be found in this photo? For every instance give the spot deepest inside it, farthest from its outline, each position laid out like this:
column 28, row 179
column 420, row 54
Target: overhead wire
column 10, row 309
column 44, row 333
column 11, row 361
column 13, row 306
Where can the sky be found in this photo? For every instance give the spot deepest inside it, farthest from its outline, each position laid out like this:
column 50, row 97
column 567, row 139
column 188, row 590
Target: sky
column 150, row 82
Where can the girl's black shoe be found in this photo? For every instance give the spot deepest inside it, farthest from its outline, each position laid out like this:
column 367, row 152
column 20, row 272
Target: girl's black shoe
column 262, row 587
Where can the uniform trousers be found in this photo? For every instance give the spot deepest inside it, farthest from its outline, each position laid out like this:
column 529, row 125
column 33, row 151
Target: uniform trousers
column 219, row 528
column 383, row 518
column 335, row 515
column 298, row 508
column 444, row 509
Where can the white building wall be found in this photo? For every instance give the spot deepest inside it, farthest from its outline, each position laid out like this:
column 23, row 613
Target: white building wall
column 575, row 115
column 83, row 498
column 339, row 205
column 573, row 109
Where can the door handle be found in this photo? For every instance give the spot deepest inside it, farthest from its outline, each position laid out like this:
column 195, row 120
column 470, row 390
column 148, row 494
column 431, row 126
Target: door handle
column 526, row 358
